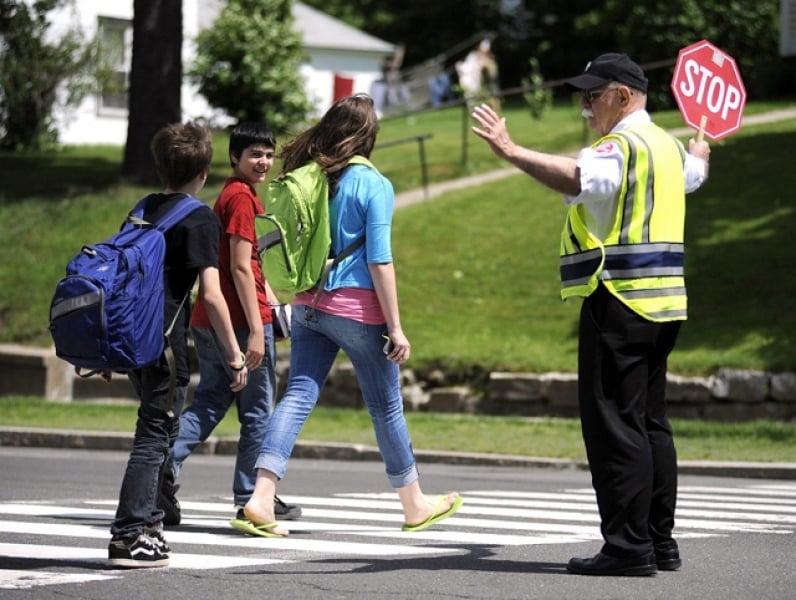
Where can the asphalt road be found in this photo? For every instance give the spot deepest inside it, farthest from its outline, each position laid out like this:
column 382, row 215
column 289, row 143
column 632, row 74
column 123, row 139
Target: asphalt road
column 511, row 540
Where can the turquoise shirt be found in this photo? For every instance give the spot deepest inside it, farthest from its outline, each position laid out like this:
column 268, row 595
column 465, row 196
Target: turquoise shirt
column 363, row 205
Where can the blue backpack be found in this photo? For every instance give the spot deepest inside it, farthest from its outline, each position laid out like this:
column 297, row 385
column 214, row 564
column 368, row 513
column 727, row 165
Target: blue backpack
column 107, row 313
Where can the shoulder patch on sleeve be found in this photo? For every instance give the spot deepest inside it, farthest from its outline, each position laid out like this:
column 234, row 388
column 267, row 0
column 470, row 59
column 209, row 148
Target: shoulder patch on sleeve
column 605, row 148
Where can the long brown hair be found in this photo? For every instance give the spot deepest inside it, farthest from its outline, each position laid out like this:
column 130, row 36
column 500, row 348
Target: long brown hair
column 349, row 127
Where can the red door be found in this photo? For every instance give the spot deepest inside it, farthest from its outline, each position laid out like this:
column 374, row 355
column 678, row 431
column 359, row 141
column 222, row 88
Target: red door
column 343, row 86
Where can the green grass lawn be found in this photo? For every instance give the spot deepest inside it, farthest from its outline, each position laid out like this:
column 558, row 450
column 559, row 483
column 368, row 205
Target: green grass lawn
column 477, row 268
column 478, row 276
column 760, row 441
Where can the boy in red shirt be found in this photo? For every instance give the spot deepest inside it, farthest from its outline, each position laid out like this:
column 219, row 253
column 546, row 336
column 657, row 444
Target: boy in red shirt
column 251, row 154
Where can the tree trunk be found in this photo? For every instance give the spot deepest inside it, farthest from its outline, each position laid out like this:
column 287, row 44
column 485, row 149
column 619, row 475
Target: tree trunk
column 155, row 82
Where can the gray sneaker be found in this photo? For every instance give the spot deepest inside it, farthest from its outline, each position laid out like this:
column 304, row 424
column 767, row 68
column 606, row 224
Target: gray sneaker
column 286, row 512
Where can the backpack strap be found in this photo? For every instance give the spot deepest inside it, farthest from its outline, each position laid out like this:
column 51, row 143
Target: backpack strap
column 357, row 159
column 184, row 207
column 330, row 264
column 270, row 239
column 177, row 213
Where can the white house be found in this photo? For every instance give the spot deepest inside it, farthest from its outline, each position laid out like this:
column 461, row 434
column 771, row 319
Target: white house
column 340, row 60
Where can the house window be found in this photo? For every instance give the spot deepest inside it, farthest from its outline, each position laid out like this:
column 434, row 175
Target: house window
column 116, row 44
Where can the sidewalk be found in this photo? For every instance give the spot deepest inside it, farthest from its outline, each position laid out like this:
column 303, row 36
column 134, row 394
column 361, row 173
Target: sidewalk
column 98, row 440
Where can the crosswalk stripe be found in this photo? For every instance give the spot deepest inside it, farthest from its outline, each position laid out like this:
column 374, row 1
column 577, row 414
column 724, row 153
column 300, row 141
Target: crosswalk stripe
column 729, row 504
column 751, row 503
column 100, row 555
column 719, row 513
column 229, row 537
column 369, row 524
column 12, row 579
column 786, row 491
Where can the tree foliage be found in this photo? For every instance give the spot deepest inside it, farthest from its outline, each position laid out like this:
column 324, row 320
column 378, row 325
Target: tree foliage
column 563, row 36
column 248, row 64
column 39, row 73
column 521, row 29
column 748, row 30
column 538, row 98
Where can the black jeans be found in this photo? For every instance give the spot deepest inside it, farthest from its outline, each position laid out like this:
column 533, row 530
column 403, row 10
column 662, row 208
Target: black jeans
column 622, row 390
column 154, row 431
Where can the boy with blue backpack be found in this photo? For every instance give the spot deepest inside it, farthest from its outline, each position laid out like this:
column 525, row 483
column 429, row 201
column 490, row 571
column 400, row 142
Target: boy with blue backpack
column 182, row 154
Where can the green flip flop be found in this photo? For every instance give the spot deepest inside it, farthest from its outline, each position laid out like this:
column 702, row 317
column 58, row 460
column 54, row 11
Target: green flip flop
column 436, row 516
column 264, row 530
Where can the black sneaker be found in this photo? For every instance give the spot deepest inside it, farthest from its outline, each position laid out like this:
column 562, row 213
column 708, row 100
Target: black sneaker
column 286, row 512
column 142, row 553
column 155, row 533
column 168, row 503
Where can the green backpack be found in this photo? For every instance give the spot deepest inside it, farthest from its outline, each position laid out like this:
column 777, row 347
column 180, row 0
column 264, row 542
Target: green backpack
column 294, row 236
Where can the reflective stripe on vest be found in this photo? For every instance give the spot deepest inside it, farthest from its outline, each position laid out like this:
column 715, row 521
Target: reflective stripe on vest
column 641, row 260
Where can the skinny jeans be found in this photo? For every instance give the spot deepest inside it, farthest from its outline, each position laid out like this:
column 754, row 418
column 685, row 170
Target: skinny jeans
column 154, row 431
column 316, row 339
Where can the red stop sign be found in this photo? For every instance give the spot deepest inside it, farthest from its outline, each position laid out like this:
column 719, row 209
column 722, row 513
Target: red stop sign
column 707, row 85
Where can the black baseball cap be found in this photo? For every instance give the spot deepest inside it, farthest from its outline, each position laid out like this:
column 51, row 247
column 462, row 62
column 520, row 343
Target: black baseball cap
column 607, row 68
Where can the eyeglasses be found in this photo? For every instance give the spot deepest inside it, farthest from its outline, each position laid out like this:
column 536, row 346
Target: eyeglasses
column 592, row 95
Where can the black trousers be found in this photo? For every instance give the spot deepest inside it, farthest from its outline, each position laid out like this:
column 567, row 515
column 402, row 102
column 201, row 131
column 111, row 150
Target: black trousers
column 629, row 445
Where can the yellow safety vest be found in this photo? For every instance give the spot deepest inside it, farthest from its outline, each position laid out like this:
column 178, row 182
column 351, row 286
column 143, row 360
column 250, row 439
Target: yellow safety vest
column 642, row 258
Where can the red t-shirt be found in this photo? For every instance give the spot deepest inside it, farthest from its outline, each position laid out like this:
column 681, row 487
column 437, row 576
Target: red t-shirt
column 235, row 208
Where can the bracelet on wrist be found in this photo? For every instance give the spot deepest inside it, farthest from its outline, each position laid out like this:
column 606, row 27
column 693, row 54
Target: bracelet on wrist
column 239, row 364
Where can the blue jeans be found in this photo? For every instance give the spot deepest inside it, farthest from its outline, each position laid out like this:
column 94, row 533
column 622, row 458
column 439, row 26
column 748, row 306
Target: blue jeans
column 155, row 428
column 316, row 339
column 213, row 398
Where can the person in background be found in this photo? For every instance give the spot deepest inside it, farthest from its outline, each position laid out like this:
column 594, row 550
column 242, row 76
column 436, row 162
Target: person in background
column 357, row 312
column 478, row 75
column 622, row 251
column 182, row 154
column 251, row 156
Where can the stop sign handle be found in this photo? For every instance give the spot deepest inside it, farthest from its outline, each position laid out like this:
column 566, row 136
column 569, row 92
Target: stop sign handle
column 703, row 121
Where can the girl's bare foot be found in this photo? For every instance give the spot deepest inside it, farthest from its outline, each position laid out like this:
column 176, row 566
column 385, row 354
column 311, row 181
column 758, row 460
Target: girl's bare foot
column 433, row 510
column 260, row 511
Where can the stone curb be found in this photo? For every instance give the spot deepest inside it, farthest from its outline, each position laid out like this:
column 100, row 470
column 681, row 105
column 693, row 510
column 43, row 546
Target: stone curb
column 99, row 440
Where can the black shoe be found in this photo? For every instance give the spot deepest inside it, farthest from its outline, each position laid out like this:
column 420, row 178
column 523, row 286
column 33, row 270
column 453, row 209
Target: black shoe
column 143, row 552
column 155, row 533
column 668, row 559
column 286, row 512
column 602, row 564
column 168, row 503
